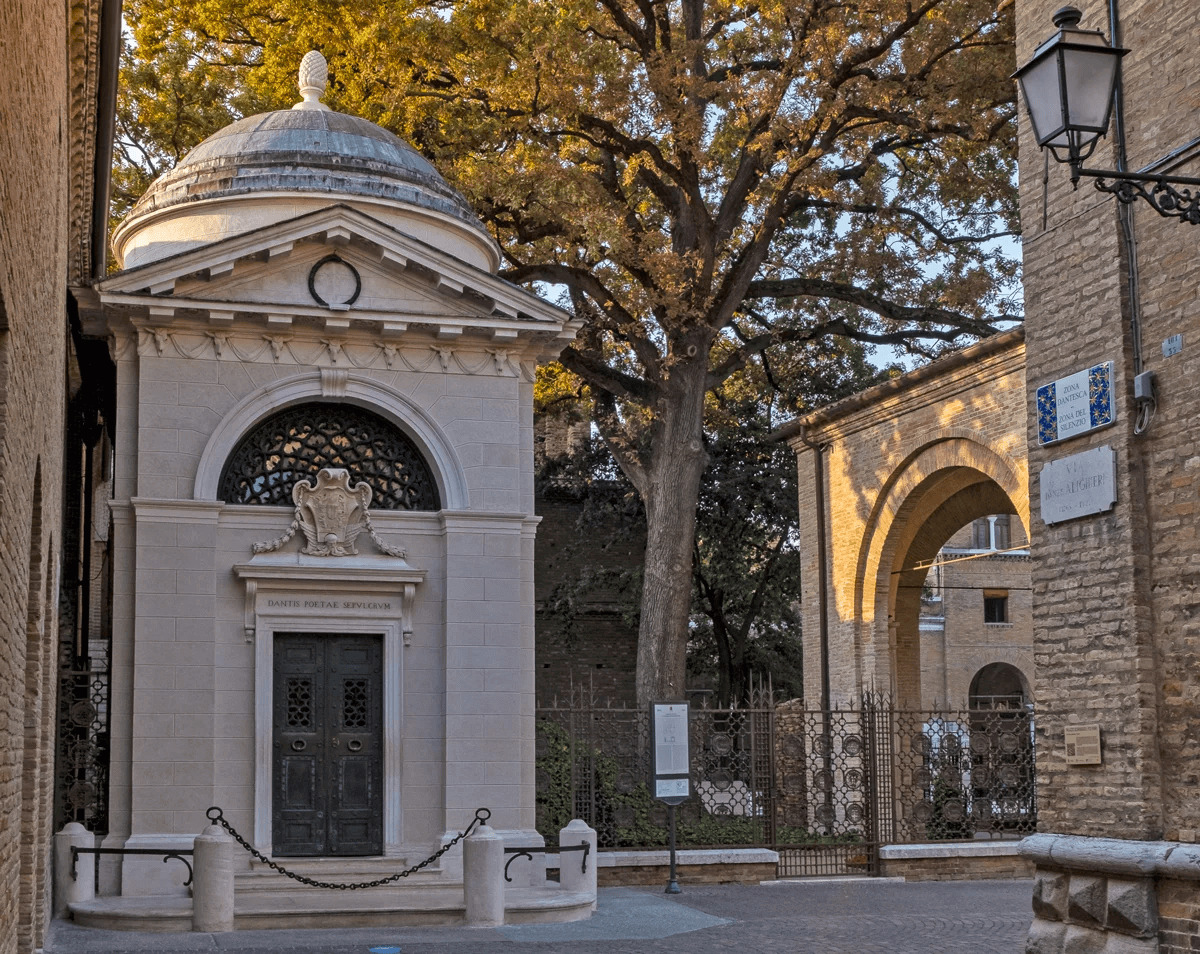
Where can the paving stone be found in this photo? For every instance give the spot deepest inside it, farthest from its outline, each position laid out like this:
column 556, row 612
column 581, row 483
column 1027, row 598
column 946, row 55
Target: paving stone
column 850, row 917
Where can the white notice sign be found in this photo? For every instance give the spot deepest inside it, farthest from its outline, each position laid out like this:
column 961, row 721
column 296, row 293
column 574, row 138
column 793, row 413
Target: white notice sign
column 1079, row 485
column 671, row 739
column 671, row 788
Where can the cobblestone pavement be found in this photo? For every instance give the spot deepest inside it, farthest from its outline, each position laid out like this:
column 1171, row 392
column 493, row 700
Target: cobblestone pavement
column 858, row 917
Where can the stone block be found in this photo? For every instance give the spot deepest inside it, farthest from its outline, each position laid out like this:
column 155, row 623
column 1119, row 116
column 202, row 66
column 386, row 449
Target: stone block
column 1083, row 940
column 1050, row 895
column 1087, row 899
column 1045, row 937
column 1132, row 907
column 1123, row 944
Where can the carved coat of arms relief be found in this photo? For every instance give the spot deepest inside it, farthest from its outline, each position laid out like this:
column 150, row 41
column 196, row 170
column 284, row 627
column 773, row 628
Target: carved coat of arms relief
column 332, row 514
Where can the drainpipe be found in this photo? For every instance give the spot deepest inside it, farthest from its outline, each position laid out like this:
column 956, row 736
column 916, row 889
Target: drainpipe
column 106, row 124
column 822, row 559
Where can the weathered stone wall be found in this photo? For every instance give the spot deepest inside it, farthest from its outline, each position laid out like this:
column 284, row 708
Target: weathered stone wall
column 33, row 236
column 907, row 464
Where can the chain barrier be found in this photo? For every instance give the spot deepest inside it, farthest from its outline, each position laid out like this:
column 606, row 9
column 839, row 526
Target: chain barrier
column 217, row 816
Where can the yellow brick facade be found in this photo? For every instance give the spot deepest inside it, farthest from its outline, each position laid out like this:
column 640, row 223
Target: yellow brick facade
column 906, row 466
column 46, row 148
column 1115, row 600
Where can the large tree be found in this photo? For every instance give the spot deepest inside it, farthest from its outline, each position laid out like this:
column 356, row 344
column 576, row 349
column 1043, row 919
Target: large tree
column 703, row 180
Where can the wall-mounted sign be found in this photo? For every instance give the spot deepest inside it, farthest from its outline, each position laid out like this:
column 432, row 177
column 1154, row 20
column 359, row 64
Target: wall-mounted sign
column 1083, row 744
column 672, row 765
column 1079, row 485
column 1076, row 404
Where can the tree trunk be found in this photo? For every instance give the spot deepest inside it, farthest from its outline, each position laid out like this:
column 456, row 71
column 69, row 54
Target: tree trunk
column 672, row 485
column 724, row 651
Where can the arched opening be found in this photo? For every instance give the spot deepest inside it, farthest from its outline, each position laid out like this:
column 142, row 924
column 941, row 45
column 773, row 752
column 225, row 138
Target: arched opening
column 951, row 595
column 998, row 686
column 295, row 443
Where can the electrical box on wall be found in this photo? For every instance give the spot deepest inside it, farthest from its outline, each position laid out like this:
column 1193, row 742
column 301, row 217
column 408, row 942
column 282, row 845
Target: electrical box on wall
column 1143, row 386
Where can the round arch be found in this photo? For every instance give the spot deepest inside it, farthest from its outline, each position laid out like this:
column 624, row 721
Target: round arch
column 946, row 479
column 413, row 420
column 999, row 685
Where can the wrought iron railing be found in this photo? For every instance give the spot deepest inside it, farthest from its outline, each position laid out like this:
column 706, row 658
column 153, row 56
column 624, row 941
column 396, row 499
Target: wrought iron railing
column 825, row 788
column 82, row 764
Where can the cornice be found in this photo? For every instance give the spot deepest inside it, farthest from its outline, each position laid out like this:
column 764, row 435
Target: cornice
column 361, row 352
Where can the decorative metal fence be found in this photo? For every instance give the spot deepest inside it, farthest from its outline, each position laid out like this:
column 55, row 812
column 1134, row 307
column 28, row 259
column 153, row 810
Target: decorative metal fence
column 825, row 789
column 81, row 766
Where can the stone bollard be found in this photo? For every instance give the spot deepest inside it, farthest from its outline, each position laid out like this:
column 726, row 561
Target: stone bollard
column 571, row 875
column 212, row 881
column 82, row 887
column 483, row 877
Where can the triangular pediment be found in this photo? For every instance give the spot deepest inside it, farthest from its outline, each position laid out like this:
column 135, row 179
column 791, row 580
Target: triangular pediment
column 340, row 268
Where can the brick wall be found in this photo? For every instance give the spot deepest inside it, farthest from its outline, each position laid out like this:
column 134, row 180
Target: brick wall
column 957, row 869
column 1116, row 598
column 600, row 648
column 1178, row 916
column 907, row 464
column 1117, row 613
column 33, row 279
column 953, row 655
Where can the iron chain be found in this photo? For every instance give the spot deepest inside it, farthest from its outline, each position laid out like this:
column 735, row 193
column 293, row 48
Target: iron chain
column 215, row 814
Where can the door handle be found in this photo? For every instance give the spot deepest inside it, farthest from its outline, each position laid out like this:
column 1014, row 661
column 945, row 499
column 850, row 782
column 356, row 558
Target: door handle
column 354, row 745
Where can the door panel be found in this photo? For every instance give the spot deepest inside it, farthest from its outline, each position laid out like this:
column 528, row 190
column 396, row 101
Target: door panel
column 328, row 772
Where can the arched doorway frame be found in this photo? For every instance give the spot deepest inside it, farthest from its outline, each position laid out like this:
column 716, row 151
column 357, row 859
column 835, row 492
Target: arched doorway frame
column 936, row 465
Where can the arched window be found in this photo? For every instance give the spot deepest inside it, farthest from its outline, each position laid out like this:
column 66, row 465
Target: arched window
column 297, row 442
column 998, row 686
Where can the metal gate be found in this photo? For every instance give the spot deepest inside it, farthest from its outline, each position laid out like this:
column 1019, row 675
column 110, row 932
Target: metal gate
column 81, row 763
column 825, row 789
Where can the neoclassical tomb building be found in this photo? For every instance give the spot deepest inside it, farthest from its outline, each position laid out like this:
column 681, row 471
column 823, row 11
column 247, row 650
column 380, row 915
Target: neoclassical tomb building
column 323, row 616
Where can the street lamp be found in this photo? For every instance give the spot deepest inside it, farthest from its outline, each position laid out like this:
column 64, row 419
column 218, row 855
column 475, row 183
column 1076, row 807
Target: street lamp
column 1069, row 93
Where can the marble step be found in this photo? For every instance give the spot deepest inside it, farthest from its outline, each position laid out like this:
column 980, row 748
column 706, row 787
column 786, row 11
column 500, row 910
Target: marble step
column 315, row 908
column 261, row 878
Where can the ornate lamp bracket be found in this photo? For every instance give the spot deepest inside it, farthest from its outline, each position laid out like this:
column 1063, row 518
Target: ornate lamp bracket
column 1160, row 191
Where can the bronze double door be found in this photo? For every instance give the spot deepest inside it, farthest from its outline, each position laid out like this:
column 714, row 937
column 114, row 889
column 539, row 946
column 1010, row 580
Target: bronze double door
column 327, row 787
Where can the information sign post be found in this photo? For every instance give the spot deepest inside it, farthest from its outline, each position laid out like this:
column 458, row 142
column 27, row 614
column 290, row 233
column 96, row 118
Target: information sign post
column 671, row 765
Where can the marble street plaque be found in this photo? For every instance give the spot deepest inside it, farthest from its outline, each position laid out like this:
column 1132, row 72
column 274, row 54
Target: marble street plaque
column 1079, row 485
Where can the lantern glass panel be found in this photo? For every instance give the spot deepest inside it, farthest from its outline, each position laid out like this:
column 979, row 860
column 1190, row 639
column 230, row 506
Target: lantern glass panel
column 1090, row 75
column 1043, row 99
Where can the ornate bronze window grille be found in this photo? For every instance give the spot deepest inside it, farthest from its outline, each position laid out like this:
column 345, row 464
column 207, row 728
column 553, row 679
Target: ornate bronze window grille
column 296, row 443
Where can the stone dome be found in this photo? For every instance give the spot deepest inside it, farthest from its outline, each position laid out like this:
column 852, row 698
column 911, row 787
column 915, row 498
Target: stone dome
column 273, row 166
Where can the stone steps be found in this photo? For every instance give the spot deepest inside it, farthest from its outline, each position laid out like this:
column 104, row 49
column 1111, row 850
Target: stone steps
column 262, row 879
column 316, row 908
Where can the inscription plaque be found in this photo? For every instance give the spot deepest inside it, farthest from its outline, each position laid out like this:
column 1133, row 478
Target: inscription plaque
column 1079, row 485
